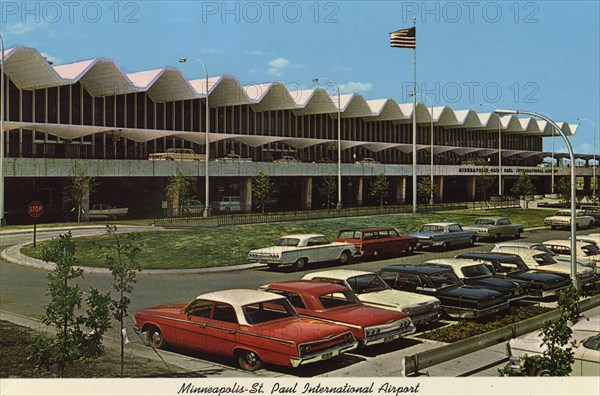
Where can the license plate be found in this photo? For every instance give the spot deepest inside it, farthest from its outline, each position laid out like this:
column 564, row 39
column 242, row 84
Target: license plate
column 389, row 338
column 326, row 355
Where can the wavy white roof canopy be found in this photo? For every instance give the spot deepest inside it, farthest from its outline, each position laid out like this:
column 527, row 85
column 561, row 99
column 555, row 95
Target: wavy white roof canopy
column 28, row 69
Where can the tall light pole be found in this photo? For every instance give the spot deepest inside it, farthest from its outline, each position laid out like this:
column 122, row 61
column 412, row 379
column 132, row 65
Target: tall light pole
column 2, row 95
column 499, row 150
column 594, row 185
column 339, row 140
column 206, row 211
column 431, row 142
column 573, row 187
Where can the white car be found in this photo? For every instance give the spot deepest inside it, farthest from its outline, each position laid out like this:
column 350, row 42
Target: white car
column 372, row 290
column 586, row 348
column 542, row 248
column 542, row 261
column 585, row 251
column 591, row 238
column 562, row 218
column 301, row 249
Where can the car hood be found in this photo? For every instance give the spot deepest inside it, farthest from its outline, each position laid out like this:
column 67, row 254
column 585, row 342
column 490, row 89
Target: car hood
column 498, row 282
column 471, row 292
column 563, row 267
column 164, row 310
column 395, row 299
column 536, row 276
column 299, row 329
column 360, row 315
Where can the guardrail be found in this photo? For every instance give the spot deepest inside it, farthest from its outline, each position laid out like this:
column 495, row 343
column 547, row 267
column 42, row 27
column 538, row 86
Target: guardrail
column 269, row 217
column 432, row 357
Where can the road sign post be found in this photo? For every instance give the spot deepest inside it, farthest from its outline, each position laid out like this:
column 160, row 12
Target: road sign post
column 35, row 210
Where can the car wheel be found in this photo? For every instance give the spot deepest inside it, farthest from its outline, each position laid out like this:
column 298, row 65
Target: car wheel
column 273, row 265
column 376, row 254
column 345, row 257
column 227, row 210
column 446, row 245
column 300, row 263
column 541, row 372
column 553, row 227
column 249, row 361
column 497, row 236
column 472, row 241
column 518, row 234
column 156, row 338
column 410, row 249
column 591, row 224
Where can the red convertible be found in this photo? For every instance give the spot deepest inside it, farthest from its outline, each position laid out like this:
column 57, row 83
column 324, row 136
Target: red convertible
column 375, row 242
column 337, row 304
column 250, row 325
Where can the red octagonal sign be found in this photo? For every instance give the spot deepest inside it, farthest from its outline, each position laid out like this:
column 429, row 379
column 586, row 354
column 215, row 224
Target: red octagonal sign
column 35, row 209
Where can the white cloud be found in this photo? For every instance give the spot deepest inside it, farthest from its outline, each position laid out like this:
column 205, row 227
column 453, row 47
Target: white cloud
column 20, row 29
column 355, row 86
column 272, row 71
column 279, row 63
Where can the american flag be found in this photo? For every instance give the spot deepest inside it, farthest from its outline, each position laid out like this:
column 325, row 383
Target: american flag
column 404, row 38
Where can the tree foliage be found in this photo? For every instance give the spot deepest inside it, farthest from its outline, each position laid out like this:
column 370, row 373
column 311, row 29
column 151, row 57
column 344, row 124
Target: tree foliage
column 78, row 336
column 327, row 187
column 380, row 188
column 563, row 189
column 424, row 189
column 523, row 186
column 484, row 183
column 179, row 189
column 263, row 189
column 80, row 185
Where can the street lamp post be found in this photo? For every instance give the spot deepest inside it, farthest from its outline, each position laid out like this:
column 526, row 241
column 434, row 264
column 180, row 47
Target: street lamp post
column 573, row 187
column 499, row 150
column 594, row 185
column 431, row 200
column 206, row 211
column 339, row 141
column 2, row 95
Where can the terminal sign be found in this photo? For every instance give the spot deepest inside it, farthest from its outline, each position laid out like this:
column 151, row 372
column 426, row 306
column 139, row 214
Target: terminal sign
column 35, row 209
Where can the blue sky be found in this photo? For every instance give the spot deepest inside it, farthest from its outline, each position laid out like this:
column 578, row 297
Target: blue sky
column 539, row 56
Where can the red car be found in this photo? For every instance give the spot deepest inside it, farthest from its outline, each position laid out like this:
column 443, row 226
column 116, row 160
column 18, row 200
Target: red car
column 375, row 242
column 250, row 325
column 337, row 304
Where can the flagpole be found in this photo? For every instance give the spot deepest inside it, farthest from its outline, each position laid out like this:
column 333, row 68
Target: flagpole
column 414, row 137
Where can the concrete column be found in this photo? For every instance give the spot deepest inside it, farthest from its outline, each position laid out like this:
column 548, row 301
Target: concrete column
column 246, row 194
column 400, row 189
column 307, row 189
column 471, row 180
column 359, row 191
column 438, row 192
column 85, row 206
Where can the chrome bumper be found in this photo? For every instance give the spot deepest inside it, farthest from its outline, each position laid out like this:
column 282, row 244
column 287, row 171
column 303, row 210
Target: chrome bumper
column 467, row 313
column 389, row 336
column 323, row 355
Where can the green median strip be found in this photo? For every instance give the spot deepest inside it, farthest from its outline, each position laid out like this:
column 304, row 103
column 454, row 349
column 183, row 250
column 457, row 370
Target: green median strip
column 224, row 246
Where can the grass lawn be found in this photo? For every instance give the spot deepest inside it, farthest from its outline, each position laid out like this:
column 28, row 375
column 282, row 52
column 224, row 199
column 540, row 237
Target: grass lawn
column 213, row 247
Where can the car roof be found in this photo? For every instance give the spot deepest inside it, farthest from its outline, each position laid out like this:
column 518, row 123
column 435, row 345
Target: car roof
column 519, row 244
column 566, row 242
column 302, row 236
column 454, row 263
column 304, row 285
column 440, row 224
column 492, row 217
column 369, row 229
column 239, row 297
column 414, row 269
column 523, row 253
column 495, row 256
column 341, row 274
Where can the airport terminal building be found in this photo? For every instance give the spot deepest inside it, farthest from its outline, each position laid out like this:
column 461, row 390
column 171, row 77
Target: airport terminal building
column 91, row 116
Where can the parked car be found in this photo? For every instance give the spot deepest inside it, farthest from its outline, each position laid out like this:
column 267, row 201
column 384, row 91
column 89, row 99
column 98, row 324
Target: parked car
column 104, row 211
column 372, row 290
column 593, row 211
column 562, row 218
column 510, row 266
column 475, row 273
column 542, row 248
column 367, row 161
column 248, row 325
column 585, row 347
column 232, row 157
column 177, row 154
column 591, row 238
column 444, row 235
column 375, row 242
column 192, row 207
column 301, row 249
column 228, row 204
column 495, row 227
column 287, row 158
column 458, row 300
column 543, row 261
column 337, row 304
column 585, row 251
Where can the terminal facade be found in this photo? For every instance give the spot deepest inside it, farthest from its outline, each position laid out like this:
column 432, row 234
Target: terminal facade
column 91, row 116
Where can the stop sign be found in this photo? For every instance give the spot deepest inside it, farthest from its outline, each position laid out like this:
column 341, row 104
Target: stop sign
column 35, row 209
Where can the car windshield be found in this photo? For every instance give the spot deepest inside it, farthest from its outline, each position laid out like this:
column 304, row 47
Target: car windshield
column 593, row 343
column 350, row 234
column 338, row 299
column 563, row 213
column 485, row 221
column 543, row 248
column 512, row 266
column 431, row 228
column 590, row 250
column 444, row 279
column 267, row 311
column 367, row 283
column 544, row 259
column 476, row 271
column 287, row 242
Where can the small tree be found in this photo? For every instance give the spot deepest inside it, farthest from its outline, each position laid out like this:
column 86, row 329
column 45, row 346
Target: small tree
column 380, row 188
column 78, row 336
column 263, row 189
column 180, row 188
column 563, row 189
column 80, row 185
column 425, row 189
column 123, row 266
column 485, row 182
column 327, row 187
column 523, row 187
